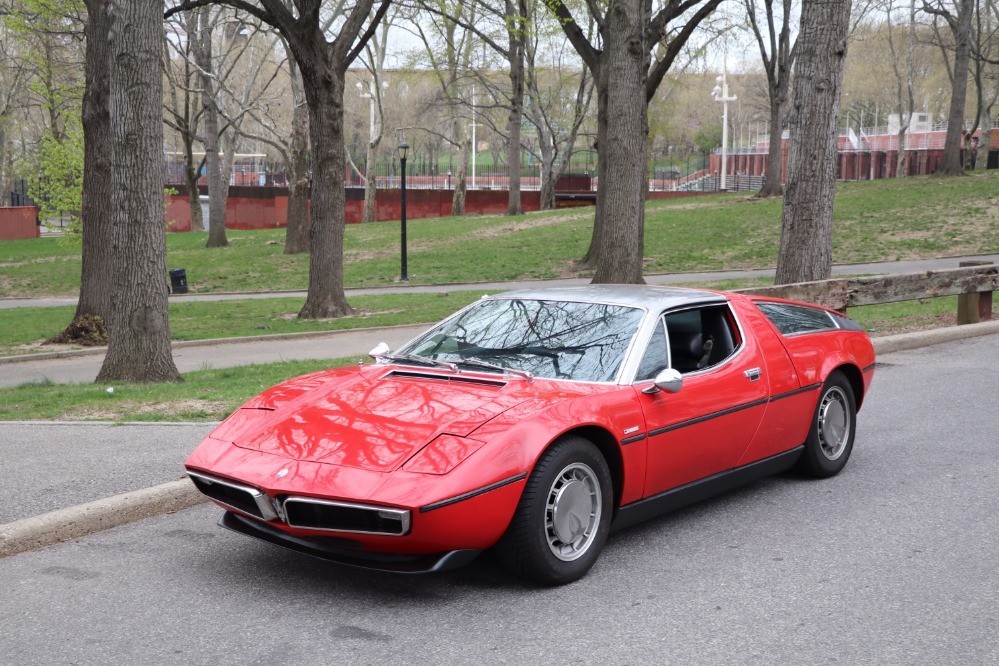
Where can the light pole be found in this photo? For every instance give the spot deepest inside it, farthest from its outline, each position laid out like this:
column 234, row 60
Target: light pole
column 403, row 148
column 720, row 93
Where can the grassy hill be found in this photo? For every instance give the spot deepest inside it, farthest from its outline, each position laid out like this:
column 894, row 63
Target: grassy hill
column 880, row 220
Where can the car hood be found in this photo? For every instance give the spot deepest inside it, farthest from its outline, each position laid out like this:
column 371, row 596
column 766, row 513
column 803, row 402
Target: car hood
column 373, row 418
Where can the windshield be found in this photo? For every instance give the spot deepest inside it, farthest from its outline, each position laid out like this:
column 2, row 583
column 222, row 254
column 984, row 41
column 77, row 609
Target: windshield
column 553, row 339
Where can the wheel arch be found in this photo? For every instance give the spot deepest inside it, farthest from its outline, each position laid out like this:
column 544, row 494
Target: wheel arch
column 608, row 446
column 856, row 379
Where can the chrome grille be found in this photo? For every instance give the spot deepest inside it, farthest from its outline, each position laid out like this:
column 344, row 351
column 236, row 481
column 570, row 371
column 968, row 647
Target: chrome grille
column 234, row 495
column 316, row 514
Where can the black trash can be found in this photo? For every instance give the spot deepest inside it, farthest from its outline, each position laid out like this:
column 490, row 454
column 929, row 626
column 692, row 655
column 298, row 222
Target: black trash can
column 178, row 280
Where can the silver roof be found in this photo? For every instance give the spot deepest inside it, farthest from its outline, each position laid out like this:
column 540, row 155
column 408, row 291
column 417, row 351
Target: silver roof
column 631, row 295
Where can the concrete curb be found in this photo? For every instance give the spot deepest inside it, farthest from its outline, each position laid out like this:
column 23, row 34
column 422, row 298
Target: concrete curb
column 81, row 520
column 180, row 344
column 84, row 519
column 933, row 336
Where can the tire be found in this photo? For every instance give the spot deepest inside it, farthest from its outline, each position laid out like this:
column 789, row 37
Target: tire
column 546, row 541
column 832, row 430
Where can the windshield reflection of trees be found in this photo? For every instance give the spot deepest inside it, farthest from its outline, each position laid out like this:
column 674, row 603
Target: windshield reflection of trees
column 564, row 340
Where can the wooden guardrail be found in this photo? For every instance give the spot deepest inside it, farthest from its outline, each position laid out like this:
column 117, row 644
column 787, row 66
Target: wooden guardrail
column 974, row 285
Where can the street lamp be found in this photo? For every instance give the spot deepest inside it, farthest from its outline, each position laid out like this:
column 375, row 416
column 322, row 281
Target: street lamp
column 720, row 93
column 403, row 149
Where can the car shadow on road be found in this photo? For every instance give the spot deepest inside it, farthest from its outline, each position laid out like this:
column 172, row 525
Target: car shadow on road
column 268, row 566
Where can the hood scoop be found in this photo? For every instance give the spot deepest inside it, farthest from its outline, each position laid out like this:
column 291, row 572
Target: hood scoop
column 459, row 379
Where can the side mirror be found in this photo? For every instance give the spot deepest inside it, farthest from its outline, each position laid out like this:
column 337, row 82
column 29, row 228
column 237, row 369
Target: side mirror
column 380, row 350
column 668, row 380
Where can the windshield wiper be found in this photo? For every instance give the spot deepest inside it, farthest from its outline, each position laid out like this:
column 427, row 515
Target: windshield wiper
column 479, row 363
column 419, row 360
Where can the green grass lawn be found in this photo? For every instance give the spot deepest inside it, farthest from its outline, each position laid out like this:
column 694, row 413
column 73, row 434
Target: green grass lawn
column 22, row 329
column 881, row 220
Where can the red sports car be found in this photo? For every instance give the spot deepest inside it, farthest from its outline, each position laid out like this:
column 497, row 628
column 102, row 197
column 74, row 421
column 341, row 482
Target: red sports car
column 535, row 422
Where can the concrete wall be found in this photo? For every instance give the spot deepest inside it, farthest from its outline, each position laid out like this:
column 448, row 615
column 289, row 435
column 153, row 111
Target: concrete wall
column 19, row 222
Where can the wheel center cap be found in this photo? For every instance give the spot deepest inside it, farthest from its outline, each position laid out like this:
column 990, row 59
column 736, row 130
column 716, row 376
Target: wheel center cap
column 571, row 513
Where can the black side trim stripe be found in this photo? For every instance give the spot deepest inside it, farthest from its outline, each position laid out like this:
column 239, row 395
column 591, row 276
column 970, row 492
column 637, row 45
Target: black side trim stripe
column 708, row 417
column 788, row 394
column 472, row 493
column 870, row 367
column 632, row 439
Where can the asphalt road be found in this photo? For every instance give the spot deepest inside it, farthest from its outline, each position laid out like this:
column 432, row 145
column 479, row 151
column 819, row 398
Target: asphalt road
column 47, row 467
column 893, row 561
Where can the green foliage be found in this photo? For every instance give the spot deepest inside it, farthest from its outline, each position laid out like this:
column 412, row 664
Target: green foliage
column 708, row 137
column 57, row 184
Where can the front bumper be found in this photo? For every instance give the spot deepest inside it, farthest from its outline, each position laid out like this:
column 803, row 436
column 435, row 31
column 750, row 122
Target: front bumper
column 337, row 550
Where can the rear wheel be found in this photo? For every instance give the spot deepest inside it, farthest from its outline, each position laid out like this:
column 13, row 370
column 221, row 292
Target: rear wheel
column 833, row 428
column 563, row 518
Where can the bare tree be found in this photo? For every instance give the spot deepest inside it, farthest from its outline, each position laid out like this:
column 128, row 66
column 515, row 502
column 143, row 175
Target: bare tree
column 958, row 17
column 139, row 348
column 323, row 65
column 560, row 95
column 184, row 108
column 210, row 113
column 904, row 79
column 986, row 31
column 807, row 215
column 626, row 77
column 93, row 310
column 777, row 50
column 374, row 60
column 448, row 47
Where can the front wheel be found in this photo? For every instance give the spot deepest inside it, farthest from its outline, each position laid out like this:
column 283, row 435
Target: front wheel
column 563, row 518
column 833, row 428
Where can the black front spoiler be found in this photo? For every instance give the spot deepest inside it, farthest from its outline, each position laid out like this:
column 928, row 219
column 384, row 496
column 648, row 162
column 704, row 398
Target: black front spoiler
column 406, row 564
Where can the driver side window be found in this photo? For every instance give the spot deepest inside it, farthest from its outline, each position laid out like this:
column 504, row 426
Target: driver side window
column 690, row 340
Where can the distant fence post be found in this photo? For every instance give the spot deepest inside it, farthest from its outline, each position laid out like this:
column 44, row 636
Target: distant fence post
column 975, row 307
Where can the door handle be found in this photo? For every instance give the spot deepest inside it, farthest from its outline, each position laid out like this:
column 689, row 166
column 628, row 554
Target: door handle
column 753, row 374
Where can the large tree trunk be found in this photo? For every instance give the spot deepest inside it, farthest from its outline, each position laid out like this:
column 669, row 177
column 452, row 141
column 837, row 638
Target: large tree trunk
column 624, row 146
column 217, row 188
column 773, row 184
column 515, row 31
column 548, row 177
column 93, row 310
column 297, row 233
column 139, row 349
column 901, row 159
column 952, row 165
column 807, row 215
column 324, row 90
column 589, row 259
column 192, row 176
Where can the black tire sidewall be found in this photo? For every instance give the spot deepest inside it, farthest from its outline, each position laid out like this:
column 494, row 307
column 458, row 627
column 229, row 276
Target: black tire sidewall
column 544, row 566
column 813, row 461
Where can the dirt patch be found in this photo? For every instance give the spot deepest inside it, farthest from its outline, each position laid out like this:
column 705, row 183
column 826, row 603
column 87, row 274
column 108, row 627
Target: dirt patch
column 129, row 409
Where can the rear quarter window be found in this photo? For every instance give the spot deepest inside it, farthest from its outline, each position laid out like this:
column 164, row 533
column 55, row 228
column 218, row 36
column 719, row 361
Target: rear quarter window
column 792, row 319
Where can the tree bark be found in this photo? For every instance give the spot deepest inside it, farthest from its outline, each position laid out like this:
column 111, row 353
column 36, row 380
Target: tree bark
column 773, row 184
column 623, row 146
column 139, row 349
column 516, row 17
column 98, row 225
column 296, row 238
column 370, row 181
column 807, row 215
column 460, row 177
column 213, row 163
column 952, row 165
column 324, row 91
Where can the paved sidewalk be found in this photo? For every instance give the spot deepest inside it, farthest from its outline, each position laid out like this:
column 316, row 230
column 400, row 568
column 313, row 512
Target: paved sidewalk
column 330, row 345
column 667, row 278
